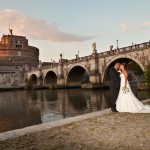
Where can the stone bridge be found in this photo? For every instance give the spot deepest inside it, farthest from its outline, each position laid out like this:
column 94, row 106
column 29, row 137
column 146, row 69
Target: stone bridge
column 96, row 66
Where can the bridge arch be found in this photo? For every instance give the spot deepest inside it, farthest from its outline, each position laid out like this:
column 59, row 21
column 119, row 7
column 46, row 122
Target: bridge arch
column 33, row 79
column 75, row 75
column 111, row 62
column 50, row 78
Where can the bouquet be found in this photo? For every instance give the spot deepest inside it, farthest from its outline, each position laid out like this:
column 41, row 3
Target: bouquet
column 125, row 90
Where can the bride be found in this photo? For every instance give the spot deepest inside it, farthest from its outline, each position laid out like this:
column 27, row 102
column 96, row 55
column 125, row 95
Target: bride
column 126, row 101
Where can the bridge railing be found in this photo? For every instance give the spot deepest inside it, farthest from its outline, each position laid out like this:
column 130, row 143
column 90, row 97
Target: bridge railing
column 50, row 66
column 78, row 59
column 125, row 49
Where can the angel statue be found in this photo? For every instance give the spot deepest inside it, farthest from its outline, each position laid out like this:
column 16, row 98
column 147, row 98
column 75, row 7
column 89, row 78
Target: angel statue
column 11, row 31
column 111, row 47
column 60, row 55
column 94, row 45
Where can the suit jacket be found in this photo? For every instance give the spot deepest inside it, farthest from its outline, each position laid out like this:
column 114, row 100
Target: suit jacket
column 114, row 78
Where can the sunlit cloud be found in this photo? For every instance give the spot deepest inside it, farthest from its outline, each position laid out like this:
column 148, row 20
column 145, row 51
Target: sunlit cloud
column 124, row 26
column 37, row 28
column 144, row 25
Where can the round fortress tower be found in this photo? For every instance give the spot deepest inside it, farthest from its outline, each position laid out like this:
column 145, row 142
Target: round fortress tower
column 15, row 51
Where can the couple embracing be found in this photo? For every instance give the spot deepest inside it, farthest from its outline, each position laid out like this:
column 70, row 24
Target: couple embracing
column 122, row 97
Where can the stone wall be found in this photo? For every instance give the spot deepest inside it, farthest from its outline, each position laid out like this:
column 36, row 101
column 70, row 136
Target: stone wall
column 142, row 86
column 12, row 80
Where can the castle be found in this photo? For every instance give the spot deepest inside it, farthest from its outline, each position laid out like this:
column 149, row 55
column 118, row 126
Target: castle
column 15, row 56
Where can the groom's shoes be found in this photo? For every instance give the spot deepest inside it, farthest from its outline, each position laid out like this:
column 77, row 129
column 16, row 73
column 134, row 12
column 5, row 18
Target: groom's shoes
column 114, row 110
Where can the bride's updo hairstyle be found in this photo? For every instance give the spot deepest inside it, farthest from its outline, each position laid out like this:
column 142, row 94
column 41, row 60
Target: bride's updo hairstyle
column 125, row 65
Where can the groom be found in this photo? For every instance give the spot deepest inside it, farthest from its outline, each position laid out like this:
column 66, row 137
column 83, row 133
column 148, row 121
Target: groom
column 114, row 85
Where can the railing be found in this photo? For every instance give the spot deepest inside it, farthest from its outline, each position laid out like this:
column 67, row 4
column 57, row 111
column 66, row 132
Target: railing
column 77, row 60
column 50, row 66
column 125, row 49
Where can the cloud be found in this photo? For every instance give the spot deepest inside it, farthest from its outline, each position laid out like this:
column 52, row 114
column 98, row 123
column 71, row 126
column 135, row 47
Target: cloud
column 124, row 26
column 144, row 25
column 35, row 27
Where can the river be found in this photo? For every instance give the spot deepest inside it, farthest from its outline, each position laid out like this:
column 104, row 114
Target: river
column 19, row 109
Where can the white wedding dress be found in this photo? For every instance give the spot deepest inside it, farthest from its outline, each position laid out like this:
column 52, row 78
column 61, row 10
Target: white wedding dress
column 127, row 102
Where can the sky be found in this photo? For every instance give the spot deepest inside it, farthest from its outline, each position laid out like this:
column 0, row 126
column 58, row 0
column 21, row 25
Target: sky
column 71, row 26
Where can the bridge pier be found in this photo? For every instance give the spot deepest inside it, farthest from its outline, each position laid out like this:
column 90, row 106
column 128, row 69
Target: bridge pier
column 94, row 73
column 39, row 81
column 39, row 76
column 60, row 82
column 60, row 77
column 95, row 79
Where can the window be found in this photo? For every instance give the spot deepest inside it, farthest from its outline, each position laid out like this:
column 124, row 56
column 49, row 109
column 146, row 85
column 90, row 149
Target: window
column 19, row 46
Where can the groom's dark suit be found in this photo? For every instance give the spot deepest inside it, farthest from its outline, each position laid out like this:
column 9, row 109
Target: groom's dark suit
column 114, row 87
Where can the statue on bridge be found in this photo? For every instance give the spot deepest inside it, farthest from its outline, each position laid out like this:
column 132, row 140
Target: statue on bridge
column 77, row 56
column 60, row 55
column 94, row 46
column 111, row 47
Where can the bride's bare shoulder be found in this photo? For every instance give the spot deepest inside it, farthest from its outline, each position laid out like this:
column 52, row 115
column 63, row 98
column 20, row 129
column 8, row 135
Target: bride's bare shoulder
column 125, row 73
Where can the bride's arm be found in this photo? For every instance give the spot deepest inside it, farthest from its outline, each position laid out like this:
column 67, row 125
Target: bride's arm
column 126, row 77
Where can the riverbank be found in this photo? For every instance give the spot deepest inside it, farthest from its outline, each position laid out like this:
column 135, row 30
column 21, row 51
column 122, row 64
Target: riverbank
column 97, row 130
column 12, row 89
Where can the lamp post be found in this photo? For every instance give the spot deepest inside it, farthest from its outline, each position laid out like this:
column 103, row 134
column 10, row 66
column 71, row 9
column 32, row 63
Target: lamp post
column 117, row 43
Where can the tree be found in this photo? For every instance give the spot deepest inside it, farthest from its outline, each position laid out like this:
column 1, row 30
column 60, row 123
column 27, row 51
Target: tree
column 28, row 84
column 147, row 74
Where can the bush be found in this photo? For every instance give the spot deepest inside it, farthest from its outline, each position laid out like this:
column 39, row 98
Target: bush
column 28, row 84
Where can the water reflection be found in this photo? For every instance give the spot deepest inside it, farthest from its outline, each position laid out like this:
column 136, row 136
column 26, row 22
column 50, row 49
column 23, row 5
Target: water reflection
column 15, row 111
column 19, row 109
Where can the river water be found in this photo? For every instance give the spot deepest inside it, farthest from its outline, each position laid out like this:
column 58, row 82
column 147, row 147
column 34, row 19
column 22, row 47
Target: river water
column 20, row 109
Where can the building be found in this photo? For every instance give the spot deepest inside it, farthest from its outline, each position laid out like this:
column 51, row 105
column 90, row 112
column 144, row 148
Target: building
column 15, row 56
